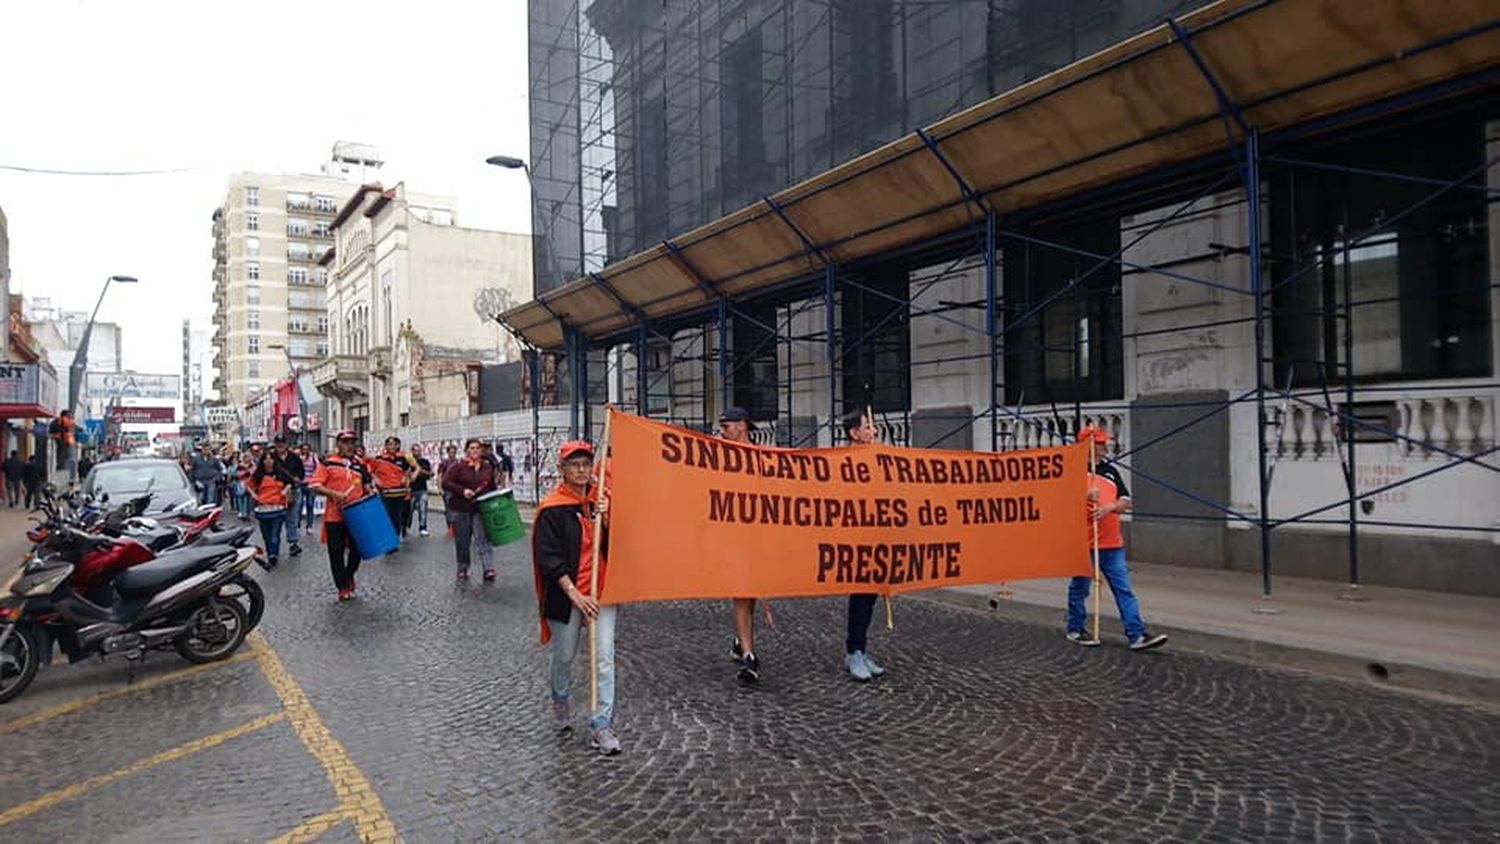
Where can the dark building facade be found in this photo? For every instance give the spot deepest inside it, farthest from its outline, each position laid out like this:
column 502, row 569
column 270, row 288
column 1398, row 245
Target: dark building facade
column 651, row 117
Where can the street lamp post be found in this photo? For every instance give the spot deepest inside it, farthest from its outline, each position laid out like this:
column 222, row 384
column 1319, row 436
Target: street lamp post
column 81, row 357
column 512, row 163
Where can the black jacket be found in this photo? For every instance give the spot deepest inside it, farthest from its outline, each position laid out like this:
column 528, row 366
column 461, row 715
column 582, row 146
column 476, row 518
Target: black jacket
column 558, row 538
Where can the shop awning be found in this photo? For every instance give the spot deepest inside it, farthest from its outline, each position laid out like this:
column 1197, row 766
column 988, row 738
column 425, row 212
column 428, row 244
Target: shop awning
column 1135, row 107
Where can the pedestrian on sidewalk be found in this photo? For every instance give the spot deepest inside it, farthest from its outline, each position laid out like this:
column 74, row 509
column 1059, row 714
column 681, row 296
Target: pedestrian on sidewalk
column 735, row 426
column 270, row 487
column 507, row 466
column 85, row 464
column 861, row 430
column 450, row 458
column 31, row 478
column 310, row 464
column 562, row 558
column 419, row 480
column 205, row 470
column 343, row 478
column 464, row 481
column 15, row 471
column 290, row 469
column 1108, row 497
column 393, row 470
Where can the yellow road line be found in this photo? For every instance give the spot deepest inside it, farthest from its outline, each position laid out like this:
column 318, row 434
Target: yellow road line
column 51, row 799
column 100, row 697
column 314, row 828
column 356, row 796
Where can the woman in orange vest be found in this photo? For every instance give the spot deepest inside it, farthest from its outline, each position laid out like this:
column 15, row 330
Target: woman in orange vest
column 392, row 471
column 343, row 478
column 269, row 486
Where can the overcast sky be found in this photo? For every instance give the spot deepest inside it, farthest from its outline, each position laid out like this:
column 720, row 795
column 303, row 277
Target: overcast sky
column 268, row 86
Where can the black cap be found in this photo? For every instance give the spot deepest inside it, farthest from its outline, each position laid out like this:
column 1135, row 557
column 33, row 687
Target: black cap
column 278, row 439
column 737, row 414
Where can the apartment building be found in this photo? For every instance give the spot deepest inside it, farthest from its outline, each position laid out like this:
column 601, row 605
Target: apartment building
column 269, row 301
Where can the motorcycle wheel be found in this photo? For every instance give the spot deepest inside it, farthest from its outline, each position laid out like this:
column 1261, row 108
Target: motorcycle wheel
column 216, row 629
column 245, row 591
column 19, row 659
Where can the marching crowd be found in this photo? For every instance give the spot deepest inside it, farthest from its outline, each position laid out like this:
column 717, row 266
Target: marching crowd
column 278, row 486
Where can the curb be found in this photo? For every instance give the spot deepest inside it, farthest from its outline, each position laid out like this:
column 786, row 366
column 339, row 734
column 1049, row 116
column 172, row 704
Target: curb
column 1426, row 680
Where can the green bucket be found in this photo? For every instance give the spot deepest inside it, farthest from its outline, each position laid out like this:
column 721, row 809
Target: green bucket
column 502, row 520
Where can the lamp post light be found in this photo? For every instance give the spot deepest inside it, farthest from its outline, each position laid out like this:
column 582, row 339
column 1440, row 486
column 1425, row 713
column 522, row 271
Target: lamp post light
column 81, row 357
column 510, row 162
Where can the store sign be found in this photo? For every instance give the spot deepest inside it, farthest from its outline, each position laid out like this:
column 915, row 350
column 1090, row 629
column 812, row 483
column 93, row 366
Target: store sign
column 134, row 385
column 27, row 389
column 217, row 416
column 144, row 415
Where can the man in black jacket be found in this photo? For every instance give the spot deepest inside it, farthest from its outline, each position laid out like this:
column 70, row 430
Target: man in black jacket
column 289, row 470
column 15, row 470
column 567, row 588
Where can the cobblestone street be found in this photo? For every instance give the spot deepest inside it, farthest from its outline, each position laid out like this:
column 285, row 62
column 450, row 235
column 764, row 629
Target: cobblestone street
column 420, row 710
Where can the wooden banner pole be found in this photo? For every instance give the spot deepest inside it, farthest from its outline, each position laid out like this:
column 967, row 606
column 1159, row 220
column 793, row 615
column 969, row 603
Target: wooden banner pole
column 890, row 615
column 1094, row 542
column 602, row 458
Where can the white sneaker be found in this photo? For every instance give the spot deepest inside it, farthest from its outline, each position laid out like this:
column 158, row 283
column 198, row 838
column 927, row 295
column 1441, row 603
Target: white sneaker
column 424, row 533
column 858, row 668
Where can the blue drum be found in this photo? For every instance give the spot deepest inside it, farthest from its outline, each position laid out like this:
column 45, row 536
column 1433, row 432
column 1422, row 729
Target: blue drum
column 370, row 526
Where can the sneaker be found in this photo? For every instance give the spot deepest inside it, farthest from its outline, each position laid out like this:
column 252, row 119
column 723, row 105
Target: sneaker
column 296, row 550
column 749, row 672
column 562, row 715
column 736, row 652
column 424, row 531
column 1082, row 637
column 605, row 741
column 346, row 594
column 875, row 670
column 1147, row 641
column 855, row 663
column 463, row 577
column 271, row 562
column 489, row 576
column 263, row 562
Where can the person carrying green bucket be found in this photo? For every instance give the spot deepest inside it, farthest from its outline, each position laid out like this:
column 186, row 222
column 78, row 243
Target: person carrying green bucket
column 464, row 482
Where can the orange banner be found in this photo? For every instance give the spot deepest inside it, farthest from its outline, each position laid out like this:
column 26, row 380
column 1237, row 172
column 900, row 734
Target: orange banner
column 696, row 516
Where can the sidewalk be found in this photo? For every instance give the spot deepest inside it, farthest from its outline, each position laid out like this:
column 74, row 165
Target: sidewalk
column 1408, row 638
column 13, row 542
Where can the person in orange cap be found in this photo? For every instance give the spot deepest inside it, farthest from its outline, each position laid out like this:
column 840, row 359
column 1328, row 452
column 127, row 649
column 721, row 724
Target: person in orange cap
column 1107, row 499
column 562, row 546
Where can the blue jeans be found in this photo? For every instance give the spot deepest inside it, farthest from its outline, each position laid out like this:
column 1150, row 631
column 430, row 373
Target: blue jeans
column 270, row 530
column 208, row 492
column 293, row 515
column 564, row 646
column 419, row 503
column 1113, row 569
column 309, row 507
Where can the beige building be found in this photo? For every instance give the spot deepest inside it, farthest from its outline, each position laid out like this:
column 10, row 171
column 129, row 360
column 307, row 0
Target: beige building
column 269, row 300
column 410, row 301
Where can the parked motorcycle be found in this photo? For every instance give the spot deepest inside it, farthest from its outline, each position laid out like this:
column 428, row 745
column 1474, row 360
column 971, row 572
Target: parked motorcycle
column 173, row 601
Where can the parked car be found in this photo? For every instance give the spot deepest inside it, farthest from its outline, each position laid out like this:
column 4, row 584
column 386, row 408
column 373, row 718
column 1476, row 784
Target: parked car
column 125, row 479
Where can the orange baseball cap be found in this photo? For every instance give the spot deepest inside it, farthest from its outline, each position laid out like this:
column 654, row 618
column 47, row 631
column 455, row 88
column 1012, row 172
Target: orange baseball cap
column 1093, row 433
column 573, row 447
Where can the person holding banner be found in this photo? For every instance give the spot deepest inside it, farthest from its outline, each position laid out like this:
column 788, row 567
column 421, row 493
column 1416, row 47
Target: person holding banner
column 1107, row 499
column 861, row 430
column 343, row 478
column 735, row 425
column 563, row 555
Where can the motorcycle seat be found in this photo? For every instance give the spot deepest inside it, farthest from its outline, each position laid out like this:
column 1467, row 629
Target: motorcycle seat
column 167, row 569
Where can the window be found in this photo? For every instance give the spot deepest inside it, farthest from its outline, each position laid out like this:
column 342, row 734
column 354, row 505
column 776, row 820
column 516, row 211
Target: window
column 322, row 325
column 252, row 345
column 252, row 295
column 252, row 271
column 252, row 320
column 320, row 276
column 325, row 203
column 298, row 200
column 320, row 228
column 322, row 349
column 296, row 227
column 299, row 251
column 741, row 114
column 296, row 275
column 877, row 341
column 252, row 195
column 1070, row 348
column 754, row 371
column 297, row 324
column 252, row 369
column 252, row 246
column 252, row 222
column 1418, row 296
column 300, row 348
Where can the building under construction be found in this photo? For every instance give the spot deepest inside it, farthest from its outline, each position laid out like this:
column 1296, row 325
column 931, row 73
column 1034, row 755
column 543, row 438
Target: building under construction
column 1254, row 239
